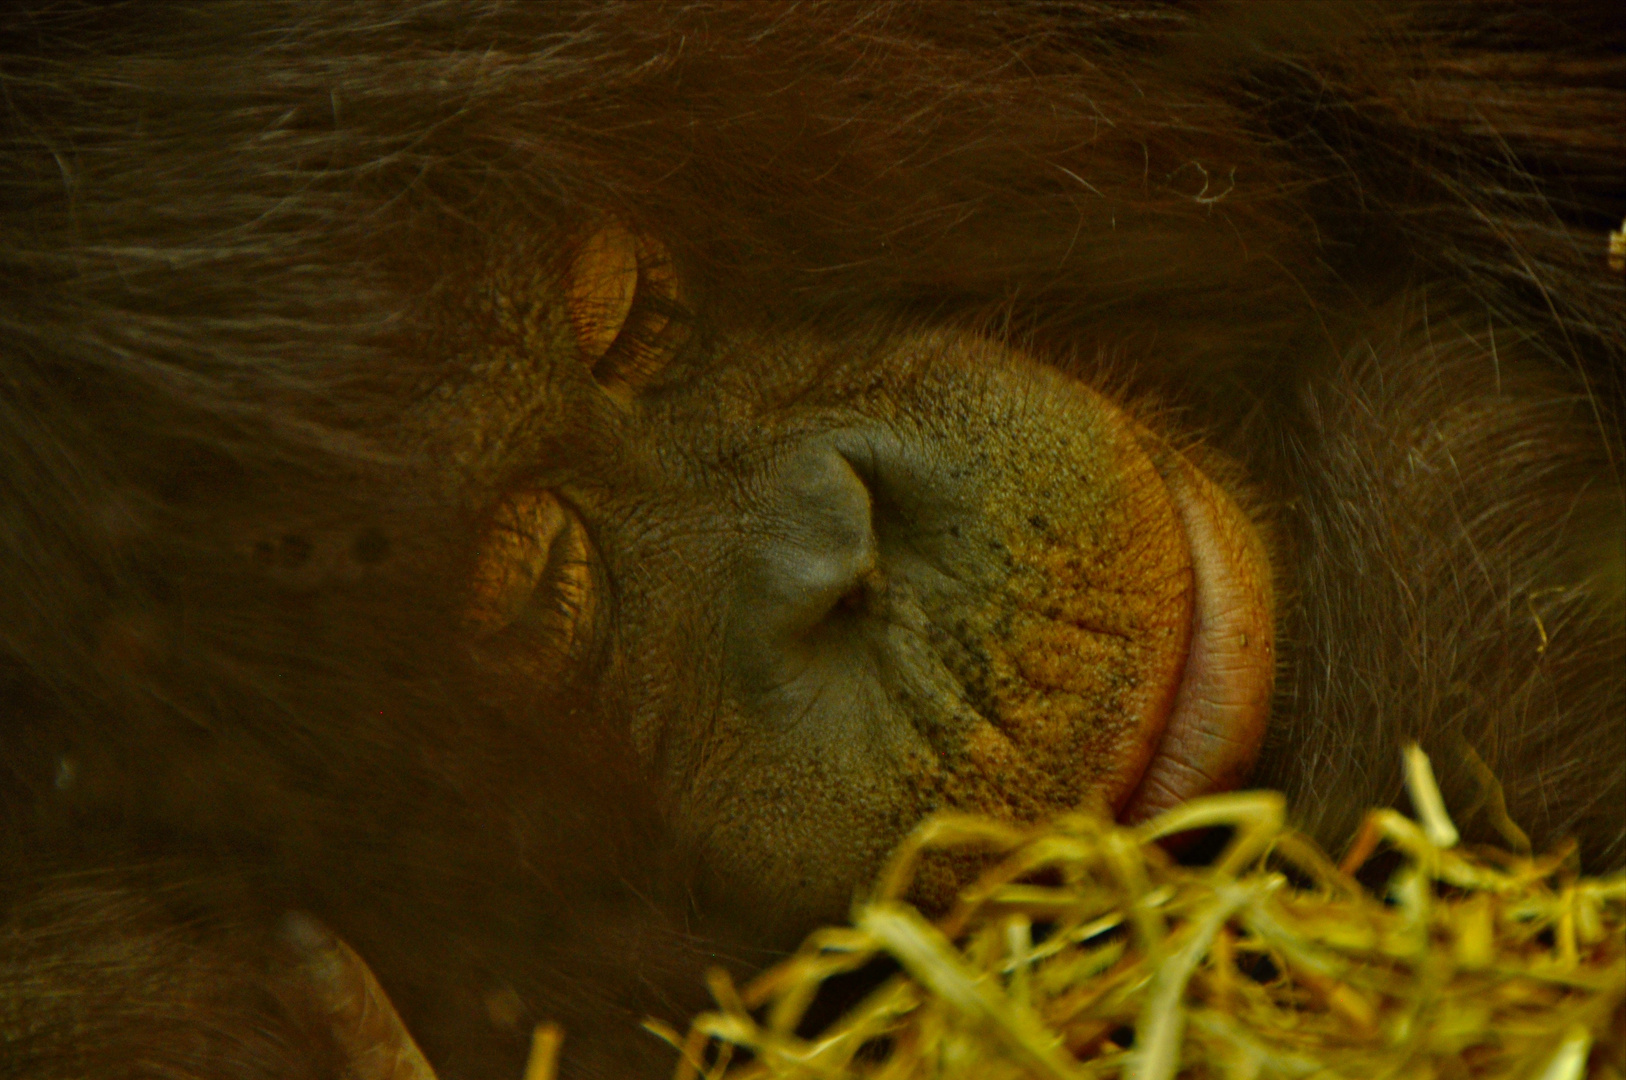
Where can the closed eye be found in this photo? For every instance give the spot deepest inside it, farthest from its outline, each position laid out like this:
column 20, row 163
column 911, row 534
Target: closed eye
column 622, row 295
column 533, row 575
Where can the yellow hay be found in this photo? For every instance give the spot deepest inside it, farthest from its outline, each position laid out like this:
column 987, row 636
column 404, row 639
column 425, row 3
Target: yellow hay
column 1270, row 962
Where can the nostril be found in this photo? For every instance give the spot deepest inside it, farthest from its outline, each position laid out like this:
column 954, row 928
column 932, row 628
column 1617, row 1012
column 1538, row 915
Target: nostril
column 861, row 598
column 866, row 593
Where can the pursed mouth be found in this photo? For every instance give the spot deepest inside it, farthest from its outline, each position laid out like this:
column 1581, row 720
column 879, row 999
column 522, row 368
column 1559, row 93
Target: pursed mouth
column 1222, row 703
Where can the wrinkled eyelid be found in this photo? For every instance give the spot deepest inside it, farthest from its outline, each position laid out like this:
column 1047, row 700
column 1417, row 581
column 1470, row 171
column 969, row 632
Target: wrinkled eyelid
column 642, row 350
column 600, row 286
column 621, row 292
column 535, row 559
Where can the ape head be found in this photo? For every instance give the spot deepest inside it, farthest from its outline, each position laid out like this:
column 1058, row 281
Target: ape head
column 558, row 491
column 844, row 580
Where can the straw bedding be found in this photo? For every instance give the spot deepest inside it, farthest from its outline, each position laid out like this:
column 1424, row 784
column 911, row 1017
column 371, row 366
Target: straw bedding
column 1088, row 951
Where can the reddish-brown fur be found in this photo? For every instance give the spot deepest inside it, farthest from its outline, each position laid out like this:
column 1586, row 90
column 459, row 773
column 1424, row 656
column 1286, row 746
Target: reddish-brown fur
column 1354, row 256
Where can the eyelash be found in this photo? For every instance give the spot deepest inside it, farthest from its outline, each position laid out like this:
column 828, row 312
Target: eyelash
column 645, row 342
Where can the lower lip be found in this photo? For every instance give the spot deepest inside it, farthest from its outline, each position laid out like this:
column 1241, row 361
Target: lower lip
column 1221, row 707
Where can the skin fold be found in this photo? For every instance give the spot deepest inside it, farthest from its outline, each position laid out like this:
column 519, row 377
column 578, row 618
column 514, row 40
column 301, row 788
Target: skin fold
column 505, row 507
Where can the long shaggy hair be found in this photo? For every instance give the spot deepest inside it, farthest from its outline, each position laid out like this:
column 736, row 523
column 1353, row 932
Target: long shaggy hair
column 1357, row 252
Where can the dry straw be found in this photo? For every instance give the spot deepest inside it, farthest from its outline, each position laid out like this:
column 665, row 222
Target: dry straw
column 1087, row 952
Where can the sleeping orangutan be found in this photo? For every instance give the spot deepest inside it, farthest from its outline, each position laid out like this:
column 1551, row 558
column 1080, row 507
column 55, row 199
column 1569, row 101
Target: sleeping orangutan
column 555, row 492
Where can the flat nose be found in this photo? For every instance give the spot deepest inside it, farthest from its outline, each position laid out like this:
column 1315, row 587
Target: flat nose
column 811, row 544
